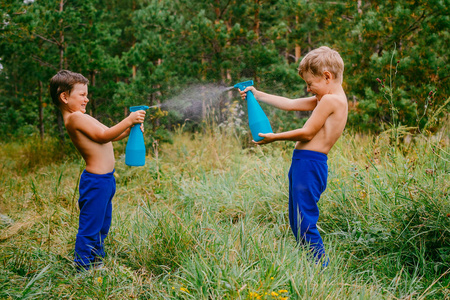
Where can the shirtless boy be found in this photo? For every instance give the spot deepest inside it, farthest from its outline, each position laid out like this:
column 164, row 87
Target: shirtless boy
column 69, row 93
column 322, row 69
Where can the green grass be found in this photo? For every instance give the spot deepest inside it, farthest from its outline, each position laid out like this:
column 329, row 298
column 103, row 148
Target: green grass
column 206, row 218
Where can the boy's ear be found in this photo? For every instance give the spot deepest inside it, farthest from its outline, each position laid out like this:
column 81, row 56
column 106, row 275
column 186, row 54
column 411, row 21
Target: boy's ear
column 327, row 75
column 63, row 97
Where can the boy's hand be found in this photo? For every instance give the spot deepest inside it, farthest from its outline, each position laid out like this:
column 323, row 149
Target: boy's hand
column 137, row 117
column 268, row 138
column 244, row 92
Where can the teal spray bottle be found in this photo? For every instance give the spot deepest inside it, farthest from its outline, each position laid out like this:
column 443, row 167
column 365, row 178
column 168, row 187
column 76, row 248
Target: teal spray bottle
column 135, row 149
column 257, row 119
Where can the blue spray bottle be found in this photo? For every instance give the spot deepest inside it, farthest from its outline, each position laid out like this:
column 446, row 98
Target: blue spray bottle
column 135, row 150
column 257, row 119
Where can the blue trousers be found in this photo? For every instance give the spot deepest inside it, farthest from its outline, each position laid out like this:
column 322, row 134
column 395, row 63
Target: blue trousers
column 96, row 193
column 307, row 181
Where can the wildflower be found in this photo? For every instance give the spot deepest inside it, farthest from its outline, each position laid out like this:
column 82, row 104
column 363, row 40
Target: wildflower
column 398, row 62
column 283, row 298
column 255, row 295
column 274, row 294
column 379, row 80
column 173, row 288
column 184, row 289
column 430, row 93
column 282, row 291
column 100, row 280
column 272, row 278
column 448, row 215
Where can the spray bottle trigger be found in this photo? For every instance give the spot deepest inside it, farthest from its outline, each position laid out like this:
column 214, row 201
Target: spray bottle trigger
column 139, row 107
column 243, row 85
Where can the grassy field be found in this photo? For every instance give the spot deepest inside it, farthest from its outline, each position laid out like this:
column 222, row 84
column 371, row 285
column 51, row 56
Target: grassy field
column 207, row 218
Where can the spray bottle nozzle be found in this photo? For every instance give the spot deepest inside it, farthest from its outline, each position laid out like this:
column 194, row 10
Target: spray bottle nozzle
column 140, row 107
column 243, row 85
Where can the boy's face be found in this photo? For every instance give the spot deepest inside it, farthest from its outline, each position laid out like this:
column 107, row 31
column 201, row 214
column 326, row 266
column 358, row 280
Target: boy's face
column 77, row 100
column 316, row 85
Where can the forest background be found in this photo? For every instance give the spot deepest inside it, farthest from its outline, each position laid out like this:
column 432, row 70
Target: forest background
column 146, row 52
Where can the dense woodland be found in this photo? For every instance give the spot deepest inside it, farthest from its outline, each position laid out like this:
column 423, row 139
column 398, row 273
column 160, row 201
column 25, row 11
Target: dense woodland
column 143, row 52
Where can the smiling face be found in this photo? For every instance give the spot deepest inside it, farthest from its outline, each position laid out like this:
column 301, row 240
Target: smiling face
column 316, row 85
column 77, row 100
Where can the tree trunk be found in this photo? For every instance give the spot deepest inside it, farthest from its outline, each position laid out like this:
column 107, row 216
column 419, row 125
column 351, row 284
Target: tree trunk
column 257, row 22
column 61, row 66
column 61, row 37
column 298, row 51
column 158, row 95
column 360, row 12
column 41, row 112
column 91, row 98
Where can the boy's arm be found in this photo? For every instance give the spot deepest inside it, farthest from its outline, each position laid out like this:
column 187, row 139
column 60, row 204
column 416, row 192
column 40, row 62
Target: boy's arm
column 123, row 135
column 102, row 134
column 126, row 133
column 300, row 104
column 324, row 109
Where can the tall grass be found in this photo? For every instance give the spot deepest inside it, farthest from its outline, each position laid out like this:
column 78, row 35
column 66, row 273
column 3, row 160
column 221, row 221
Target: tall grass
column 207, row 219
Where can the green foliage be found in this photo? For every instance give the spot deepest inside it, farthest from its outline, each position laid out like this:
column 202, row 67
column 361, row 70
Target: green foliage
column 362, row 206
column 141, row 52
column 32, row 153
column 208, row 218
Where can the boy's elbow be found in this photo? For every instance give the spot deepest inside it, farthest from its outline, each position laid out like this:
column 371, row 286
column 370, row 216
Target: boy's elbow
column 102, row 140
column 308, row 136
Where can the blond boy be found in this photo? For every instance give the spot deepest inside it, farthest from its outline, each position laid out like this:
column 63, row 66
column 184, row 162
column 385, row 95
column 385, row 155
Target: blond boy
column 322, row 69
column 69, row 93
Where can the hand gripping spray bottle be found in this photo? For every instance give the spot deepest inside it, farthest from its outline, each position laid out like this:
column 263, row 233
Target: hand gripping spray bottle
column 135, row 150
column 257, row 119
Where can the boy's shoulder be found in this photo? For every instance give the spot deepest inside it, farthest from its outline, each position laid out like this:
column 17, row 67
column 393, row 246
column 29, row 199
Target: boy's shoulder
column 77, row 119
column 74, row 117
column 334, row 99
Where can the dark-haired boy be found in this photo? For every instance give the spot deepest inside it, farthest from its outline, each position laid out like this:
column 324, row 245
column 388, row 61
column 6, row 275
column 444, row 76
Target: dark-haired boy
column 69, row 91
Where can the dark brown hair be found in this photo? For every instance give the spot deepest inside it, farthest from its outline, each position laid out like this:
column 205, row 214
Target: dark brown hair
column 64, row 81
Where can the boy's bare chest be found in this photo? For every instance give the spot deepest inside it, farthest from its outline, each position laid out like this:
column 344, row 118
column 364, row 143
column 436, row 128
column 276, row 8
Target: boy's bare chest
column 96, row 122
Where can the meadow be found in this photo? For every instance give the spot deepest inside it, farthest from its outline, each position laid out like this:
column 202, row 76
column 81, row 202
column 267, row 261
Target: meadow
column 207, row 218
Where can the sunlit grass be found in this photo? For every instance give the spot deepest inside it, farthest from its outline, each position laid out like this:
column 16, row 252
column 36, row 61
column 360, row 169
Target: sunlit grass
column 206, row 218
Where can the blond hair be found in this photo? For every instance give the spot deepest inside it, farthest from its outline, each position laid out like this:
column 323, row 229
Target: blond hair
column 320, row 60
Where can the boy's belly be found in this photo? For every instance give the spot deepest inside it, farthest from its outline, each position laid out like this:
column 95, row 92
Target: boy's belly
column 313, row 146
column 101, row 160
column 102, row 168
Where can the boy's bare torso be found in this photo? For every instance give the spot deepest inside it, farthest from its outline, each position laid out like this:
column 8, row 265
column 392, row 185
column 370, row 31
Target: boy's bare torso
column 334, row 125
column 99, row 157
